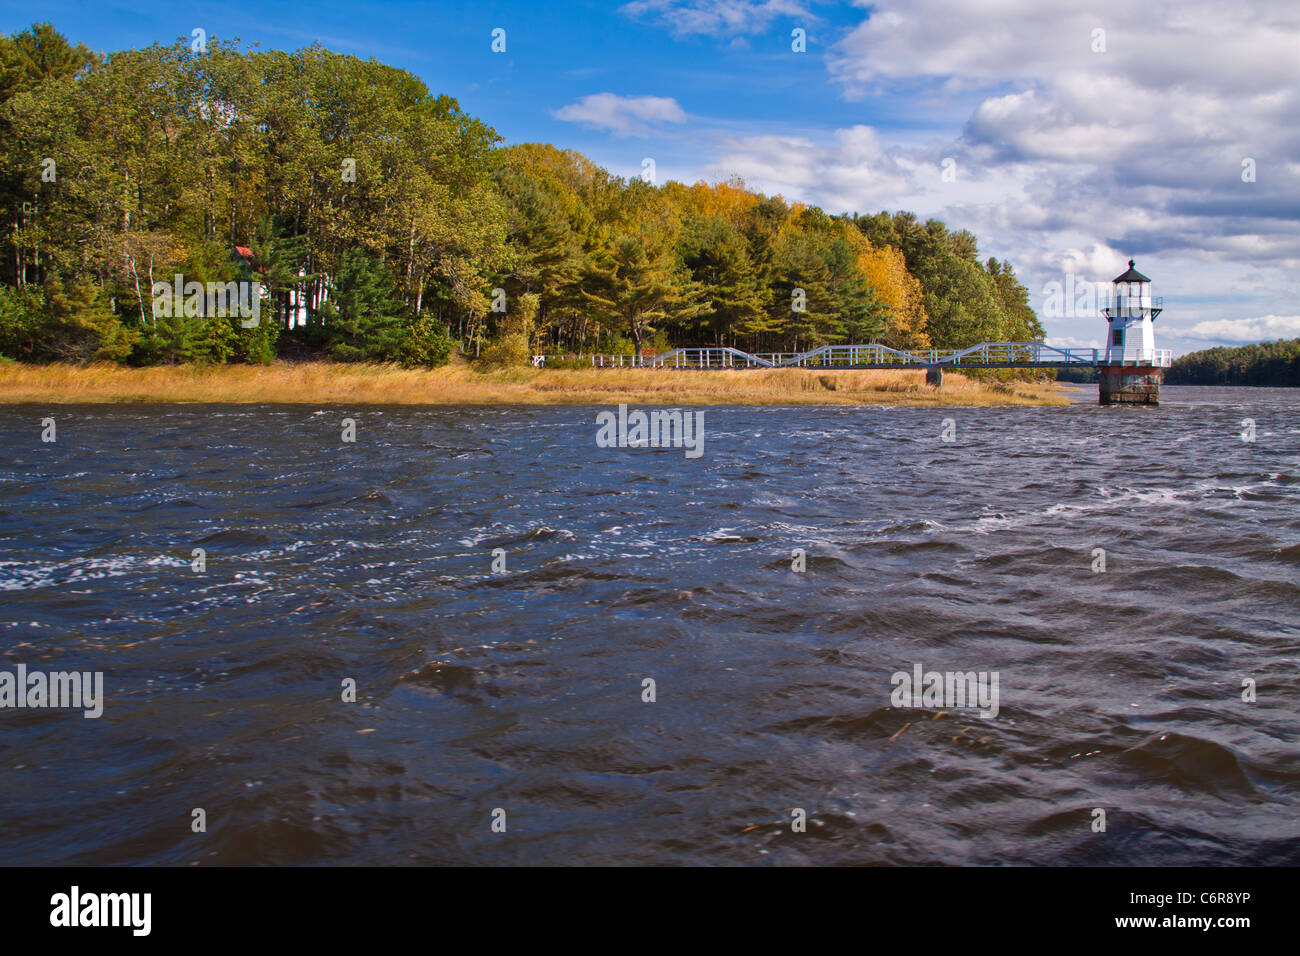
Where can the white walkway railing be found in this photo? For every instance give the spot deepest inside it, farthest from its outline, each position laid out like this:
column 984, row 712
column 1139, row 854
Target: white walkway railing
column 984, row 355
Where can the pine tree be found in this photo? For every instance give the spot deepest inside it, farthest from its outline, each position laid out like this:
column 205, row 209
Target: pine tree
column 362, row 319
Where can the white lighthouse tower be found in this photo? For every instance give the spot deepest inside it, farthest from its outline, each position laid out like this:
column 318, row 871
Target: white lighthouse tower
column 1131, row 339
column 1130, row 374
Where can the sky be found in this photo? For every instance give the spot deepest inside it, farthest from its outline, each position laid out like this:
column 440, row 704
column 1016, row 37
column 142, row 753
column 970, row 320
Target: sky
column 1068, row 137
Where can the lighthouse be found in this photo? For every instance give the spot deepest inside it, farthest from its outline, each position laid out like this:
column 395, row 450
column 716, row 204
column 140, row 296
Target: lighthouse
column 1130, row 371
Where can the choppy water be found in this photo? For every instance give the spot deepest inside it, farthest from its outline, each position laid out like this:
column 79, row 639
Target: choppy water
column 522, row 690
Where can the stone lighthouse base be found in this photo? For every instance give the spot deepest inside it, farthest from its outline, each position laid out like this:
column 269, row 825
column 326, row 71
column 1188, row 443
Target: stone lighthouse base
column 1129, row 385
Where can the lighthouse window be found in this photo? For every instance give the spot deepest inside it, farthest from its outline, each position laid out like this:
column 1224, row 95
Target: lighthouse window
column 1117, row 337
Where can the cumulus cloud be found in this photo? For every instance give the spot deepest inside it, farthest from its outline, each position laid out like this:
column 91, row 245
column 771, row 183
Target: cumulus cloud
column 856, row 169
column 1195, row 45
column 1261, row 329
column 623, row 115
column 849, row 170
column 1142, row 139
column 1097, row 260
column 716, row 18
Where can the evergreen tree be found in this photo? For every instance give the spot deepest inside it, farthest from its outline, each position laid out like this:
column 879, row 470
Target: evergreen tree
column 362, row 318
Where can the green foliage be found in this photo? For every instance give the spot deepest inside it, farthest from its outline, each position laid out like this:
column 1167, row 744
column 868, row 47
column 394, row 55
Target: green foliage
column 163, row 155
column 36, row 54
column 205, row 339
column 20, row 320
column 1268, row 363
column 426, row 343
column 362, row 318
column 66, row 323
column 718, row 256
column 509, row 351
column 803, row 301
column 860, row 315
column 1082, row 375
column 633, row 278
column 965, row 302
column 379, row 219
column 177, row 337
column 1020, row 323
column 227, row 340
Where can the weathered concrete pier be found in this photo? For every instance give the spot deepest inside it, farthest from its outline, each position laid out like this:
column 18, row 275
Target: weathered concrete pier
column 1117, row 385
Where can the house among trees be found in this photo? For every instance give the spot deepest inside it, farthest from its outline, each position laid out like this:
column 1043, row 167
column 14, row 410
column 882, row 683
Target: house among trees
column 291, row 309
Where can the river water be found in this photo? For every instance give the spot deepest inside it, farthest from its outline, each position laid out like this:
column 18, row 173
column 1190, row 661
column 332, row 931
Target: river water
column 522, row 691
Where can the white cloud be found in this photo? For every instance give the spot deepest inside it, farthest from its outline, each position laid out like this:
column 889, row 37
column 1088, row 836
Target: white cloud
column 1195, row 45
column 1098, row 260
column 851, row 171
column 717, row 18
column 1260, row 329
column 1139, row 146
column 622, row 115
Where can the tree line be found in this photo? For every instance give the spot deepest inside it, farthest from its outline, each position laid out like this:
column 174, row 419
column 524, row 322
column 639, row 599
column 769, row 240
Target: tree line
column 1267, row 363
column 384, row 224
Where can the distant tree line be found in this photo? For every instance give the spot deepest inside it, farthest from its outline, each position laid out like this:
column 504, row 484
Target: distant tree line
column 384, row 224
column 1268, row 363
column 1079, row 374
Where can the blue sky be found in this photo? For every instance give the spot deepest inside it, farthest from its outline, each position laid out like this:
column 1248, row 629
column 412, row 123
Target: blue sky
column 1067, row 151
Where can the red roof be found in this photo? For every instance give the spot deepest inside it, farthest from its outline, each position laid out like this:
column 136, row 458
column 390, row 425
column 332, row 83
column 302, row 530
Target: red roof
column 244, row 251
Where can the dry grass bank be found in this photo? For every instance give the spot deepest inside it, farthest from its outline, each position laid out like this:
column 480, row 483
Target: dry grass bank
column 321, row 382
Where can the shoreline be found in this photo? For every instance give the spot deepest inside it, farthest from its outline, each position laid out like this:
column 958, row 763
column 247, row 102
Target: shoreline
column 326, row 382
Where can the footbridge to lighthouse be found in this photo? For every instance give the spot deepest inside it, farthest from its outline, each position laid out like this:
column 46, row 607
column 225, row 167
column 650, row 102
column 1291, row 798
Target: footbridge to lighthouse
column 1143, row 365
column 984, row 355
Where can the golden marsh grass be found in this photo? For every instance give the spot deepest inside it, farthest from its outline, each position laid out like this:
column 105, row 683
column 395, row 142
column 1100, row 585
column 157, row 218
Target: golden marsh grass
column 324, row 382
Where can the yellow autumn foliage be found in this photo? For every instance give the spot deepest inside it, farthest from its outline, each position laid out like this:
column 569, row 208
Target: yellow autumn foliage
column 886, row 270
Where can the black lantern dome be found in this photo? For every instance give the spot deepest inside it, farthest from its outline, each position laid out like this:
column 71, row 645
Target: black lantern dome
column 1131, row 276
